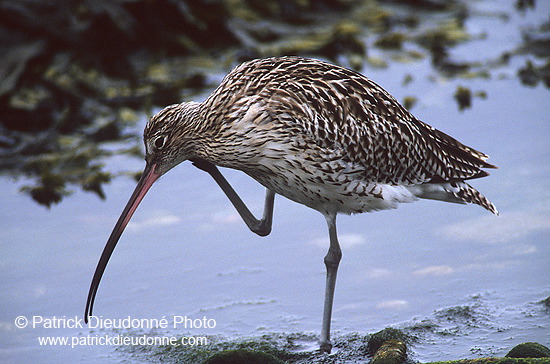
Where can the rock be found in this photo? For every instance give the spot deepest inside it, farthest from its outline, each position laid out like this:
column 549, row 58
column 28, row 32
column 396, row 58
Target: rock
column 391, row 352
column 388, row 346
column 529, row 350
column 376, row 340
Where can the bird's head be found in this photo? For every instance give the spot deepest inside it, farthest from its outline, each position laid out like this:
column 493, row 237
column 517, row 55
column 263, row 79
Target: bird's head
column 169, row 140
column 169, row 136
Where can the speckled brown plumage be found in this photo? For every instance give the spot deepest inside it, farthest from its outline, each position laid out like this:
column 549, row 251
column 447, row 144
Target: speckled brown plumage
column 321, row 135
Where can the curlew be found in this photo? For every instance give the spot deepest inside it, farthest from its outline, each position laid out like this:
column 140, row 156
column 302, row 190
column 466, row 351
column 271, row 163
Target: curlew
column 319, row 134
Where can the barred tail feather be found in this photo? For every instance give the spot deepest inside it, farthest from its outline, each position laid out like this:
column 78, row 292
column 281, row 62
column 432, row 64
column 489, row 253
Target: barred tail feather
column 454, row 191
column 470, row 195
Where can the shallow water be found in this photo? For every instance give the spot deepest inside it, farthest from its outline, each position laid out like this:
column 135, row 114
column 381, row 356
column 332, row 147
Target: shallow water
column 187, row 253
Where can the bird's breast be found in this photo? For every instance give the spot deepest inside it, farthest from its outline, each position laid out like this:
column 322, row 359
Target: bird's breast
column 323, row 180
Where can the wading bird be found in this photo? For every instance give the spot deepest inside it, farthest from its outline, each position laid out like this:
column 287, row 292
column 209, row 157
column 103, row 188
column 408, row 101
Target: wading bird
column 319, row 134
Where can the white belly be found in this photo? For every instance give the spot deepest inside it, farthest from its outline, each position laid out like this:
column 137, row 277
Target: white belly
column 327, row 190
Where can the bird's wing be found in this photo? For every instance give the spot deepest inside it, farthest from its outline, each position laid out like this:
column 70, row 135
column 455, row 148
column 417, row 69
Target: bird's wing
column 341, row 109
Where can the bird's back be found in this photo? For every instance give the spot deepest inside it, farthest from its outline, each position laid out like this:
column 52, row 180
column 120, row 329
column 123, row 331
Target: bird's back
column 339, row 129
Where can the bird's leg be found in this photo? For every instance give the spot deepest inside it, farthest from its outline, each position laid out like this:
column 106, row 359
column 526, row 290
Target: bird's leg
column 332, row 259
column 261, row 227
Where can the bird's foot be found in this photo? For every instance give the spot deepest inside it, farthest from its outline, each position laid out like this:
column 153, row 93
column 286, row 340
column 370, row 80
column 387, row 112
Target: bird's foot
column 325, row 347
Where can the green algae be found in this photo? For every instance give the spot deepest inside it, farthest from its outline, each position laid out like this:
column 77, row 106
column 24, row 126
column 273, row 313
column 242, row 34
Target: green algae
column 388, row 346
column 529, row 350
column 495, row 361
column 242, row 356
column 88, row 71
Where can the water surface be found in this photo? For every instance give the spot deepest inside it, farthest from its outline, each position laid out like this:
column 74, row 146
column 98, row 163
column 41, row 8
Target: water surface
column 187, row 253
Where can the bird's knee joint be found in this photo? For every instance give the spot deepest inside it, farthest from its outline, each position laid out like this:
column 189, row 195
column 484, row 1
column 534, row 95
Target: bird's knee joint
column 332, row 259
column 263, row 232
column 261, row 229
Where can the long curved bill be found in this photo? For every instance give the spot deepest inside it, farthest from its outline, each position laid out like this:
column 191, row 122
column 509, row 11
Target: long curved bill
column 147, row 179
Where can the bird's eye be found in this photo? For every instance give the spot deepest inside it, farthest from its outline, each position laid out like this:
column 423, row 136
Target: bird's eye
column 159, row 142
